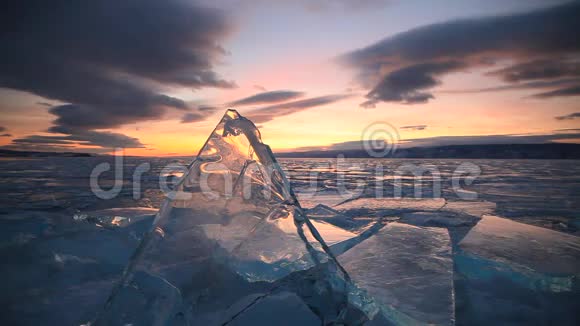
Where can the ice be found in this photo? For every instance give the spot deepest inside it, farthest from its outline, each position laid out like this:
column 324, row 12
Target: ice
column 231, row 228
column 327, row 197
column 441, row 219
column 117, row 217
column 74, row 268
column 504, row 267
column 331, row 233
column 281, row 309
column 408, row 270
column 549, row 259
column 322, row 211
column 468, row 207
column 327, row 214
column 388, row 206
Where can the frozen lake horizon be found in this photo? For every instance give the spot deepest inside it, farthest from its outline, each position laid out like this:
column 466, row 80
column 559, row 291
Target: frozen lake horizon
column 43, row 243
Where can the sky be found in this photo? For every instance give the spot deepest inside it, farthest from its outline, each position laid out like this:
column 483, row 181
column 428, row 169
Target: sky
column 154, row 77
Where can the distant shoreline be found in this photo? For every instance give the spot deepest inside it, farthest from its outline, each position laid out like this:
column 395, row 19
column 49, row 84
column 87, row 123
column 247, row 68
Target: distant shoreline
column 11, row 153
column 487, row 151
column 552, row 151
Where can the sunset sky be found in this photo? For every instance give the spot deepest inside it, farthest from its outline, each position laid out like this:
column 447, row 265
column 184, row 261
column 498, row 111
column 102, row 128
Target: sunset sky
column 155, row 77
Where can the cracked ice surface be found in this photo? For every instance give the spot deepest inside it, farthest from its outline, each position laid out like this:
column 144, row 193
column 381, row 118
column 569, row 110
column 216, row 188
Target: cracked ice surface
column 327, row 197
column 408, row 270
column 385, row 206
column 505, row 267
column 524, row 247
column 441, row 219
column 230, row 230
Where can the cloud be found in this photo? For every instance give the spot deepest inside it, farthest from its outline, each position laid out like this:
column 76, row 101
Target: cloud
column 110, row 61
column 417, row 127
column 75, row 137
column 270, row 112
column 568, row 130
column 2, row 129
column 346, row 5
column 456, row 140
column 313, row 6
column 199, row 114
column 406, row 84
column 542, row 36
column 192, row 117
column 488, row 139
column 267, row 97
column 208, row 108
column 567, row 91
column 571, row 116
column 539, row 69
column 542, row 84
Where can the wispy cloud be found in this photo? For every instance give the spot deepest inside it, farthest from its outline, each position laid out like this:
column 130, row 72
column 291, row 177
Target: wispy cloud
column 568, row 91
column 417, row 127
column 73, row 138
column 267, row 97
column 270, row 112
column 542, row 84
column 571, row 116
column 260, row 88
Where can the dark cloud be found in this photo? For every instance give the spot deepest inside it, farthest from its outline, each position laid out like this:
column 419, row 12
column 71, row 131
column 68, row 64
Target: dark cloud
column 539, row 69
column 54, row 148
column 192, row 117
column 542, row 84
column 109, row 59
column 199, row 114
column 48, row 105
column 406, row 84
column 313, row 6
column 208, row 108
column 260, row 88
column 6, row 135
column 571, row 116
column 267, row 97
column 2, row 128
column 270, row 112
column 546, row 35
column 417, row 127
column 567, row 91
column 83, row 137
column 346, row 5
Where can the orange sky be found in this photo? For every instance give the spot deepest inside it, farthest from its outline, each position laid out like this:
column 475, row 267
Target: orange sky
column 284, row 46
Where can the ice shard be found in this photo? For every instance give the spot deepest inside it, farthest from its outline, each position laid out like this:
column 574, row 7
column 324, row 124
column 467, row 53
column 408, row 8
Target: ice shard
column 538, row 258
column 230, row 238
column 408, row 270
column 388, row 206
column 524, row 268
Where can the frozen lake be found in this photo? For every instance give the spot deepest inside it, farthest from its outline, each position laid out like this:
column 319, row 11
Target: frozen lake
column 58, row 270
